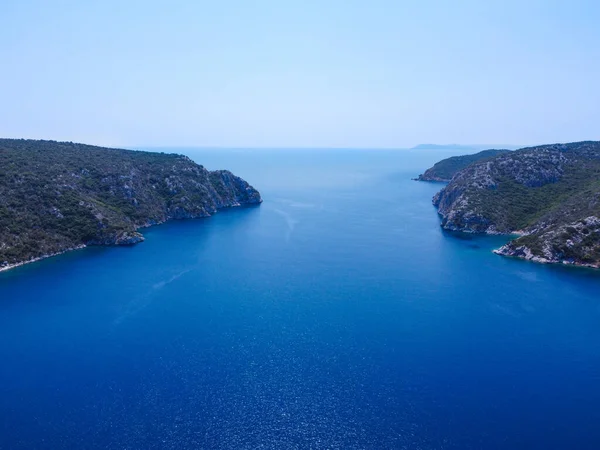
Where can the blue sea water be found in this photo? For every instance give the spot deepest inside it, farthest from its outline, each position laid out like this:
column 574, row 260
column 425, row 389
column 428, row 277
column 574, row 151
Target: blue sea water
column 335, row 315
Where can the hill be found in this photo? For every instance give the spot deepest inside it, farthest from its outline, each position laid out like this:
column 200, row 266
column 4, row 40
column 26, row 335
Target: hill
column 550, row 194
column 445, row 169
column 57, row 196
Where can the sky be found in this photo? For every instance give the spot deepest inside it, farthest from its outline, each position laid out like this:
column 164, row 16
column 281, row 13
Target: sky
column 306, row 73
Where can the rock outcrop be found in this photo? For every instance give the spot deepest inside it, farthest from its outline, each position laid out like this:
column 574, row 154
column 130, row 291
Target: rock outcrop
column 549, row 194
column 575, row 243
column 56, row 196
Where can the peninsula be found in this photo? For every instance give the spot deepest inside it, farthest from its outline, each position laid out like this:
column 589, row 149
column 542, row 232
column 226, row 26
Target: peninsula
column 549, row 195
column 59, row 196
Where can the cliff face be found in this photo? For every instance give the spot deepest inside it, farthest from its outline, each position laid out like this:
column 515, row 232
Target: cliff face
column 550, row 194
column 56, row 196
column 444, row 170
column 572, row 243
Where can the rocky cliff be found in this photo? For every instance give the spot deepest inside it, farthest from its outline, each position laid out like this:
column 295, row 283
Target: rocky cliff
column 55, row 196
column 550, row 194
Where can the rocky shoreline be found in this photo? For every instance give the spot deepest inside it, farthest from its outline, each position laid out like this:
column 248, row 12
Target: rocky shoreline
column 127, row 239
column 39, row 258
column 548, row 195
column 58, row 196
column 526, row 254
column 560, row 245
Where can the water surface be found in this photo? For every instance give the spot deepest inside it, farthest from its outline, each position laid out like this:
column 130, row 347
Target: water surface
column 335, row 315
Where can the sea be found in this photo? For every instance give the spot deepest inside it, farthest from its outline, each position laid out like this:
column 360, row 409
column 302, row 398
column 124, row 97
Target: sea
column 336, row 315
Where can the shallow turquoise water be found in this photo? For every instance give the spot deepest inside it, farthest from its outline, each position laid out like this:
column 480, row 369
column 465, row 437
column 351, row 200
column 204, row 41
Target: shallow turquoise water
column 335, row 315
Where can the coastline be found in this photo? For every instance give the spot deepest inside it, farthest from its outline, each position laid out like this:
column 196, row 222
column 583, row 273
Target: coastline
column 529, row 257
column 39, row 258
column 145, row 225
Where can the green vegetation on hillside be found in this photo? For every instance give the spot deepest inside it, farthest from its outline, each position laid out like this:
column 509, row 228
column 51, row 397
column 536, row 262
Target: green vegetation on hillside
column 517, row 206
column 59, row 195
column 551, row 192
column 446, row 168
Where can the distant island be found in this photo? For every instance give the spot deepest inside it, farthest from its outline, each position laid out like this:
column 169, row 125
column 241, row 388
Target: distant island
column 444, row 170
column 549, row 195
column 443, row 147
column 59, row 196
column 463, row 147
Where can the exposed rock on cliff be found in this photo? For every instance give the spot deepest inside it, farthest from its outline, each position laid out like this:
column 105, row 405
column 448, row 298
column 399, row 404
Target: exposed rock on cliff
column 56, row 196
column 551, row 194
column 574, row 243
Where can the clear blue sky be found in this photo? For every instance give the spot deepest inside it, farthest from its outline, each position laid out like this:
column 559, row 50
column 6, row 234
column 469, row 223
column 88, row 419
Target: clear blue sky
column 306, row 73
